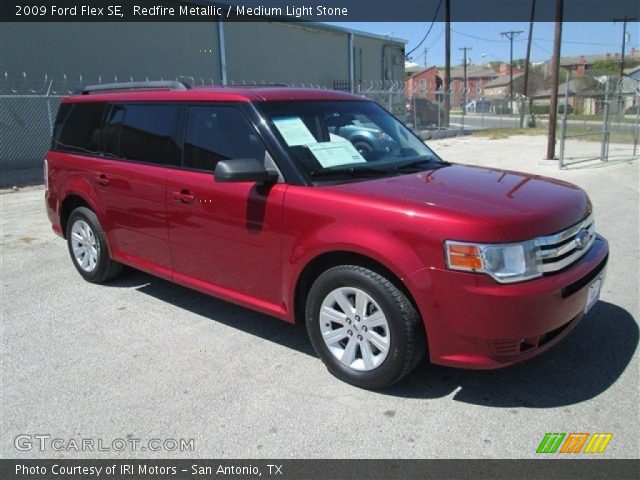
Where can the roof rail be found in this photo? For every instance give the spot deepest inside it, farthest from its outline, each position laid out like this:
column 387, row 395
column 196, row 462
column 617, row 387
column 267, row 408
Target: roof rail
column 259, row 85
column 152, row 85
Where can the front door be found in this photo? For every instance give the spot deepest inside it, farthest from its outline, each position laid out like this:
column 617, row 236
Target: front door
column 225, row 237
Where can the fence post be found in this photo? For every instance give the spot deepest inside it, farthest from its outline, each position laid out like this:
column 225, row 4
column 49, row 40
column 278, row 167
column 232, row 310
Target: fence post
column 49, row 106
column 563, row 133
column 635, row 137
column 415, row 114
column 605, row 122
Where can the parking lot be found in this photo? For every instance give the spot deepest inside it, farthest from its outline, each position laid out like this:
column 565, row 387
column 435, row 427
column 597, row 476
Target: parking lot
column 143, row 358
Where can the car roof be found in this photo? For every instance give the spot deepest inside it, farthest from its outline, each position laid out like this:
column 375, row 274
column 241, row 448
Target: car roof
column 216, row 94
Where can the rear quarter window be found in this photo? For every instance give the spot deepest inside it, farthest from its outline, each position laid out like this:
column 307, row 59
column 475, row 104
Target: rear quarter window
column 77, row 128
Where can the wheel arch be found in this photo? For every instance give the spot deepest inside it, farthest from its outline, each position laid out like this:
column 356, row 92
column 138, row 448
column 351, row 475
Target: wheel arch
column 72, row 201
column 323, row 262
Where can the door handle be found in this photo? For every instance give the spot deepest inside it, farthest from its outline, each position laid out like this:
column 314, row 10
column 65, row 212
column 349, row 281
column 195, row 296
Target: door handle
column 183, row 196
column 102, row 180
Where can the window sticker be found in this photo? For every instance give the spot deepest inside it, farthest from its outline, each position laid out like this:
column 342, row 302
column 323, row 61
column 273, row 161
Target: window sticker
column 293, row 130
column 334, row 154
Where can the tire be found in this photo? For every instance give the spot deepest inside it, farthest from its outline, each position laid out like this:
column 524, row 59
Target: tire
column 363, row 148
column 91, row 258
column 403, row 334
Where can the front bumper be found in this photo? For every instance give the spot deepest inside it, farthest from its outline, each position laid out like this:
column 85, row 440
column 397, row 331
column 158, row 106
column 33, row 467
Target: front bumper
column 474, row 322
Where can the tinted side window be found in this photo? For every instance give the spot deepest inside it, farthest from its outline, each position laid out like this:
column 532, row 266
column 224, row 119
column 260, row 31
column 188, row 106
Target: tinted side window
column 215, row 133
column 77, row 127
column 112, row 129
column 148, row 134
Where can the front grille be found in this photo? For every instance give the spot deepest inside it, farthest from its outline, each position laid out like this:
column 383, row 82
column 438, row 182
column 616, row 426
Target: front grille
column 562, row 249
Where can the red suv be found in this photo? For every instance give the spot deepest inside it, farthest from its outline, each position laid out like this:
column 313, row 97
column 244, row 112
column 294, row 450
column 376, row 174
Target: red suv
column 252, row 195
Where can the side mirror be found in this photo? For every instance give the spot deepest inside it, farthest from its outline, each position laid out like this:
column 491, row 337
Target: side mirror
column 243, row 170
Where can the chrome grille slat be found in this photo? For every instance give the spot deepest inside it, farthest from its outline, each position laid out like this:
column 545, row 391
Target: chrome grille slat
column 561, row 246
column 564, row 235
column 565, row 262
column 565, row 248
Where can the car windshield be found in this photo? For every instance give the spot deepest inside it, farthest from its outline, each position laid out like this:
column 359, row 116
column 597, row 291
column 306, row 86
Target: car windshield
column 329, row 138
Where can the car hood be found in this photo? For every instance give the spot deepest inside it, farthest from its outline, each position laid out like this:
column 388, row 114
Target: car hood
column 522, row 206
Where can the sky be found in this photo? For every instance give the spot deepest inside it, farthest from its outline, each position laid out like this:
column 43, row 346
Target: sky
column 577, row 39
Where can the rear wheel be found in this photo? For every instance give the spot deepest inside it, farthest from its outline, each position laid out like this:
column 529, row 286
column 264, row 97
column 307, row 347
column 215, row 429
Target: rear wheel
column 363, row 327
column 88, row 247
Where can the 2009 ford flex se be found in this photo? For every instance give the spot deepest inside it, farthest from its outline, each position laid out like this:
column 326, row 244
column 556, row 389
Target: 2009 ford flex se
column 319, row 206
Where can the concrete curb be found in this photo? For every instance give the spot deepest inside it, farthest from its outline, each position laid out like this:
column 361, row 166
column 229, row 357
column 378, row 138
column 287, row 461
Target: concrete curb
column 438, row 134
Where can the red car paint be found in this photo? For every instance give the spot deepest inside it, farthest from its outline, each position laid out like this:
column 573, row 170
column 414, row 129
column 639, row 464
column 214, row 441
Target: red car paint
column 250, row 245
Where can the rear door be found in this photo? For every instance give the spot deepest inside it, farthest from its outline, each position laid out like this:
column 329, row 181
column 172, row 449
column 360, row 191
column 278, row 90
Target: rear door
column 139, row 147
column 225, row 237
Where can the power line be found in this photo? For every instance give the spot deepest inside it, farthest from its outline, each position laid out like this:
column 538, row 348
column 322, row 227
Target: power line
column 435, row 15
column 575, row 42
column 542, row 48
column 478, row 38
column 436, row 39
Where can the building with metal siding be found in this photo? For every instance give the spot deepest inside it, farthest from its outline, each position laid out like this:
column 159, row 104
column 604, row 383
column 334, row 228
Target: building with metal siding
column 269, row 52
column 40, row 62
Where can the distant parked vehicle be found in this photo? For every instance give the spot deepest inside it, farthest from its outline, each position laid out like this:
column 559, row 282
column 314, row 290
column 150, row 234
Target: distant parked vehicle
column 427, row 113
column 478, row 106
column 367, row 139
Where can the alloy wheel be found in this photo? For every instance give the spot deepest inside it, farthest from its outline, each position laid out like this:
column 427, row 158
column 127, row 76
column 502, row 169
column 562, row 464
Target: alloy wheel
column 354, row 328
column 84, row 245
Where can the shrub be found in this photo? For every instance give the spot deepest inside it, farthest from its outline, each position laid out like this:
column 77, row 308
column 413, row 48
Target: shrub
column 632, row 110
column 540, row 109
column 561, row 109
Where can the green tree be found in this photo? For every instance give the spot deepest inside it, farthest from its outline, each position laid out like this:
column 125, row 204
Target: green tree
column 606, row 66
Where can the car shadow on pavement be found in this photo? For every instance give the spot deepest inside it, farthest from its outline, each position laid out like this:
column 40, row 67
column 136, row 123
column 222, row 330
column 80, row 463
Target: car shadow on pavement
column 249, row 321
column 581, row 366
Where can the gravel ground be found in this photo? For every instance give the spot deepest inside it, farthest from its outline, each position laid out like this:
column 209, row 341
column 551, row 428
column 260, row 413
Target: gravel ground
column 147, row 359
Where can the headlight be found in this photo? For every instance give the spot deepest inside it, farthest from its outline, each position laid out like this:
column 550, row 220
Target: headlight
column 506, row 262
column 383, row 136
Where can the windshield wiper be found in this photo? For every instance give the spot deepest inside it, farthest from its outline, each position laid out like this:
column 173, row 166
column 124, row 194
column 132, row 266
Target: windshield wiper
column 349, row 170
column 419, row 162
column 387, row 169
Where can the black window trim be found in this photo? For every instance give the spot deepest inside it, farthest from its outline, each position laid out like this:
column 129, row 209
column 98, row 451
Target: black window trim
column 238, row 106
column 70, row 150
column 288, row 170
column 103, row 126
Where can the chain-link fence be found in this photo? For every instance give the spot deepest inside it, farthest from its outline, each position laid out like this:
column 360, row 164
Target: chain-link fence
column 604, row 121
column 26, row 124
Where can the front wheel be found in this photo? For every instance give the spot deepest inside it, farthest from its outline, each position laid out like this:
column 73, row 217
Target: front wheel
column 365, row 329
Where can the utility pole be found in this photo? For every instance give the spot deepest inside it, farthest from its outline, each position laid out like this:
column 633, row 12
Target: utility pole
column 464, row 68
column 624, row 39
column 466, row 83
column 511, row 34
column 447, row 61
column 527, row 60
column 425, row 56
column 555, row 78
